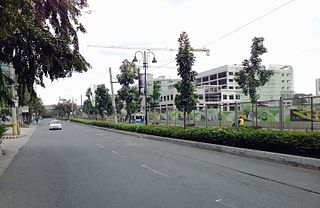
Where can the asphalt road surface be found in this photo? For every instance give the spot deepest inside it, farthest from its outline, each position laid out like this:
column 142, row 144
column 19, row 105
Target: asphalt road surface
column 81, row 166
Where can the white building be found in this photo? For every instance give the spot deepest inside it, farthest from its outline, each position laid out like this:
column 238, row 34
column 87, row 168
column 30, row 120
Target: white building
column 217, row 86
column 280, row 85
column 318, row 86
column 168, row 93
column 220, row 86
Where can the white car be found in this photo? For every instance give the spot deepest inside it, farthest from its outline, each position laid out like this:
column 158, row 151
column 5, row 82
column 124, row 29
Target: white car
column 55, row 124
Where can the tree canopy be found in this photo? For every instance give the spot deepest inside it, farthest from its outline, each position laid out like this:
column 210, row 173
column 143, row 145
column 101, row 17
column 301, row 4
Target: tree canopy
column 39, row 38
column 153, row 100
column 186, row 98
column 103, row 101
column 64, row 108
column 6, row 97
column 127, row 94
column 253, row 75
column 87, row 104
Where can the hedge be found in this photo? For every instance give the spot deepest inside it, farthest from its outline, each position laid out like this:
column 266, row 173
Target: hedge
column 302, row 143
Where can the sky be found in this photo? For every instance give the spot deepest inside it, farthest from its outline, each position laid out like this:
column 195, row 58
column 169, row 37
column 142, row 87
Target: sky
column 292, row 37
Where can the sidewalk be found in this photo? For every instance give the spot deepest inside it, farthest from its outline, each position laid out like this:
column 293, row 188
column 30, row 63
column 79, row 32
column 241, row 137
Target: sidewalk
column 11, row 146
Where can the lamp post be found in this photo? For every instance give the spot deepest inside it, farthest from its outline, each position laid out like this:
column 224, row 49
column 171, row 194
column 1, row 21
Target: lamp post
column 145, row 66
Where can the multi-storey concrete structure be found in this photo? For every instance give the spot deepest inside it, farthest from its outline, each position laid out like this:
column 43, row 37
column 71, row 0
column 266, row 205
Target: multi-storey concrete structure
column 220, row 85
column 217, row 86
column 280, row 85
column 168, row 92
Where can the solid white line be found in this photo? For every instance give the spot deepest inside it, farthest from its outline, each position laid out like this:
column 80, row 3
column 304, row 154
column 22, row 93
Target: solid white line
column 116, row 153
column 154, row 171
column 101, row 146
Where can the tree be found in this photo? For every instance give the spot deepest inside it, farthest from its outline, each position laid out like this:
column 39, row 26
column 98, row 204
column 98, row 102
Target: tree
column 119, row 106
column 87, row 104
column 103, row 101
column 36, row 107
column 253, row 75
column 64, row 108
column 89, row 94
column 39, row 38
column 153, row 100
column 129, row 95
column 6, row 97
column 186, row 99
column 87, row 107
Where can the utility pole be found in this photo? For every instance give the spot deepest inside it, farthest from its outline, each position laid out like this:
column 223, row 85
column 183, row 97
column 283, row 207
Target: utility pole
column 13, row 108
column 81, row 103
column 113, row 97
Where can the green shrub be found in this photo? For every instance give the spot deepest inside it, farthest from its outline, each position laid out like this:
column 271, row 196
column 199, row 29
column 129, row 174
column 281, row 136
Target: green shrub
column 303, row 143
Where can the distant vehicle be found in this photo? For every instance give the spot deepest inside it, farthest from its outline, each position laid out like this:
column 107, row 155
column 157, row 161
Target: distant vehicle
column 55, row 124
column 137, row 118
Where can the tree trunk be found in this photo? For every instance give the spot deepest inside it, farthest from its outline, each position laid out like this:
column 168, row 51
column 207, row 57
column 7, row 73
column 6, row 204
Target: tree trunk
column 184, row 118
column 252, row 114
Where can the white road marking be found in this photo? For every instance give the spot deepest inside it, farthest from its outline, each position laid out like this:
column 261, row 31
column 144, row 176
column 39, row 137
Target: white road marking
column 101, row 146
column 226, row 203
column 116, row 153
column 154, row 171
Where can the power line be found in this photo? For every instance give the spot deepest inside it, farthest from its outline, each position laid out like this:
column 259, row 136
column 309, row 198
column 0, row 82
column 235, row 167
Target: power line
column 241, row 27
column 252, row 21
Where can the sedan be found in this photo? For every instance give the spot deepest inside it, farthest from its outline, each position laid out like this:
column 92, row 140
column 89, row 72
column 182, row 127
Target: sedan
column 55, row 124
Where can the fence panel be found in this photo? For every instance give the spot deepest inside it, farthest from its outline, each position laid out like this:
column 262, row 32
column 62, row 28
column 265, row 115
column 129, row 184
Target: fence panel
column 297, row 114
column 271, row 114
column 171, row 117
column 268, row 114
column 213, row 116
column 200, row 117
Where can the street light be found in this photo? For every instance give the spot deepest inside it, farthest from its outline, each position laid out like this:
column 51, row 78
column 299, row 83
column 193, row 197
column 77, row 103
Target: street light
column 145, row 66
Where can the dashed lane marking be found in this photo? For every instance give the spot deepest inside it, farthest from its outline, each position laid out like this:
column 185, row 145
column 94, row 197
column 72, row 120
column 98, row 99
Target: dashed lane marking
column 101, row 146
column 155, row 171
column 117, row 153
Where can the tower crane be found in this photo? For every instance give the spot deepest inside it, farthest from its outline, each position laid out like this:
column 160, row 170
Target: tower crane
column 206, row 50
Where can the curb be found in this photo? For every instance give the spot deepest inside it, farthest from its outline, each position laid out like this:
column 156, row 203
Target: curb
column 2, row 153
column 6, row 137
column 305, row 162
column 12, row 136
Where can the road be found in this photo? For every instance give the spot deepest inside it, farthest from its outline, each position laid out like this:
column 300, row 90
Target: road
column 82, row 166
